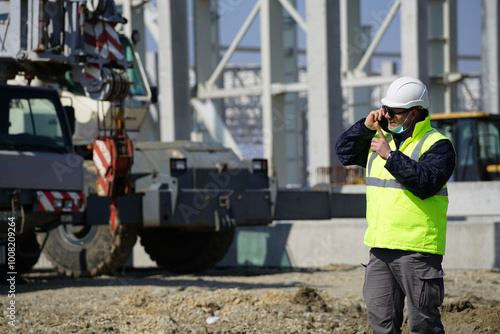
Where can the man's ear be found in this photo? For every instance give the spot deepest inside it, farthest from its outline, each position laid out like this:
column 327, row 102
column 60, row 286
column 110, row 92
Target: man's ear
column 416, row 115
column 420, row 114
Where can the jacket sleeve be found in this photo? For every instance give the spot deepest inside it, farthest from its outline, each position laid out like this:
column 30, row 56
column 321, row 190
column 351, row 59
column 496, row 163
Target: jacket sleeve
column 353, row 145
column 427, row 176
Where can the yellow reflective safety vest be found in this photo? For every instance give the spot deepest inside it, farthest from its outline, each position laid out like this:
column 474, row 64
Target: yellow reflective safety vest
column 397, row 219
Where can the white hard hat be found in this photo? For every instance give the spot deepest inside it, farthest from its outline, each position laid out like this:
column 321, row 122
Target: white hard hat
column 406, row 92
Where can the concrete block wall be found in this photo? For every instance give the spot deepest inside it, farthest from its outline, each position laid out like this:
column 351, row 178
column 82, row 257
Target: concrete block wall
column 473, row 237
column 471, row 244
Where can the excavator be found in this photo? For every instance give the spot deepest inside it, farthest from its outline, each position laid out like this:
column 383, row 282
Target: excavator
column 476, row 138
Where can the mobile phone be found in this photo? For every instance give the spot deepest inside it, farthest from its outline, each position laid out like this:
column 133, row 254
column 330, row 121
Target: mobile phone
column 384, row 124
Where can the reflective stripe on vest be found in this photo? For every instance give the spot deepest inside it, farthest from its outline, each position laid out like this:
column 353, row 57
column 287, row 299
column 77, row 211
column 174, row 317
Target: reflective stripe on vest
column 376, row 182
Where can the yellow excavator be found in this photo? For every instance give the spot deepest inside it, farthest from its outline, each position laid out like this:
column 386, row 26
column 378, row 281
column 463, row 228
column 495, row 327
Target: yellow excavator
column 476, row 137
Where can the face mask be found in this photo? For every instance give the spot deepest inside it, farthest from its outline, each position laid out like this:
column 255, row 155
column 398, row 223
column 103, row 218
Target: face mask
column 399, row 129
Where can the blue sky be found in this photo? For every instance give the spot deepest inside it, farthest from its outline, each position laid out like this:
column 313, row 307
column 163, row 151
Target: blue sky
column 234, row 12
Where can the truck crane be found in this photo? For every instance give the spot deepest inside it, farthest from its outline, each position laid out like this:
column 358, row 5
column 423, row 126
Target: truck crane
column 42, row 182
column 184, row 199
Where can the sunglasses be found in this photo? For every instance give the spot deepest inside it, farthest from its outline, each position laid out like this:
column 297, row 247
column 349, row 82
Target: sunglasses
column 391, row 112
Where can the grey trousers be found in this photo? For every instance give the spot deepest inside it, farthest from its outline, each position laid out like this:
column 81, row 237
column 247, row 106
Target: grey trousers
column 392, row 275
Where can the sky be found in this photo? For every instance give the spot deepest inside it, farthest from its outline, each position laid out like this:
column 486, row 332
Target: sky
column 234, row 12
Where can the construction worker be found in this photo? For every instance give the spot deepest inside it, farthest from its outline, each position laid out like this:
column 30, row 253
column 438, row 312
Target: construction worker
column 407, row 166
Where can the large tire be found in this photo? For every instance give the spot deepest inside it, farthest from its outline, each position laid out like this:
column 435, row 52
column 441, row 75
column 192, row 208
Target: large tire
column 186, row 252
column 82, row 251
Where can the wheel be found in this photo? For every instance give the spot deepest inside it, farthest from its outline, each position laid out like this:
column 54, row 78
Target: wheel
column 186, row 252
column 80, row 251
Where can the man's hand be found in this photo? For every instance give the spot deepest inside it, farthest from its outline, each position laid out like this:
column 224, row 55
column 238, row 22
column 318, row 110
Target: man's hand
column 380, row 145
column 374, row 117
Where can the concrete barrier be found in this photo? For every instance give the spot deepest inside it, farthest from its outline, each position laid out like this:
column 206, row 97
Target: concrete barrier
column 473, row 236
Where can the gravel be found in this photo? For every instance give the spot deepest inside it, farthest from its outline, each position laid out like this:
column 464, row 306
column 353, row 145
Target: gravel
column 252, row 300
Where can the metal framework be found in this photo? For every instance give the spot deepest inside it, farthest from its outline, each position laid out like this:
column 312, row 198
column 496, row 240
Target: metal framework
column 490, row 46
column 428, row 51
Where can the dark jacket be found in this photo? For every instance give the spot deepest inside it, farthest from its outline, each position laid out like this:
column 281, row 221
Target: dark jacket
column 423, row 178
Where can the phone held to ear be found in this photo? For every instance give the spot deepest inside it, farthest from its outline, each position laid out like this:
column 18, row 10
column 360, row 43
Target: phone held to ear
column 384, row 124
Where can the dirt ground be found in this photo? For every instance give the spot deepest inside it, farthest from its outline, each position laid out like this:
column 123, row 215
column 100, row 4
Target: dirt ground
column 318, row 300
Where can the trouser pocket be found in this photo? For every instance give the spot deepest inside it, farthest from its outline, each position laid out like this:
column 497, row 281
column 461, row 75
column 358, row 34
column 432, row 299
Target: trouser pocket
column 430, row 287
